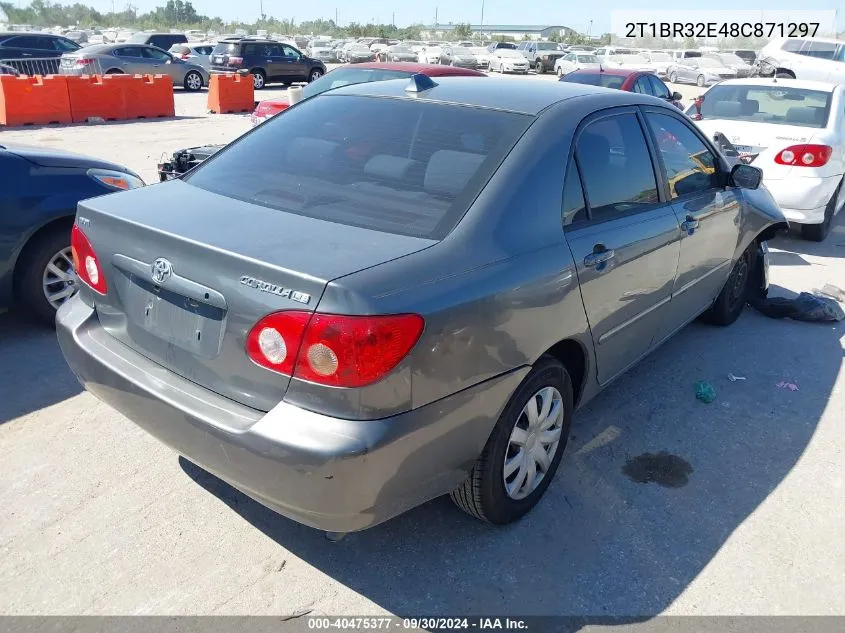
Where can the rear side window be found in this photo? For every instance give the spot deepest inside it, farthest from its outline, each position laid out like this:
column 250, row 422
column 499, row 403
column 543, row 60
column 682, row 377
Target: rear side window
column 689, row 165
column 397, row 166
column 604, row 80
column 821, row 50
column 616, row 167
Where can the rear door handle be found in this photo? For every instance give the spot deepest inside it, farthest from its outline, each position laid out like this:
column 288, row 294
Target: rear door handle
column 594, row 259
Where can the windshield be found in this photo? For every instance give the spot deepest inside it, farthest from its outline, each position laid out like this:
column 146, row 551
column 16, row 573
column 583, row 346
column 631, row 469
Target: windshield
column 462, row 51
column 400, row 49
column 508, row 52
column 595, row 79
column 547, row 46
column 225, row 48
column 588, row 59
column 347, row 75
column 659, row 57
column 405, row 167
column 780, row 104
column 729, row 58
column 709, row 62
column 359, row 48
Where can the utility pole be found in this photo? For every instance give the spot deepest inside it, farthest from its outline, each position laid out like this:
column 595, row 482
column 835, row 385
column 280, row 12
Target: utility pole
column 435, row 16
column 335, row 18
column 393, row 18
column 482, row 17
column 261, row 8
column 590, row 30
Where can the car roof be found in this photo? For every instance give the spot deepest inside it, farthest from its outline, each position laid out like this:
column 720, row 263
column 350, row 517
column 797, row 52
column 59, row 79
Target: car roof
column 827, row 40
column 495, row 94
column 432, row 70
column 617, row 72
column 808, row 84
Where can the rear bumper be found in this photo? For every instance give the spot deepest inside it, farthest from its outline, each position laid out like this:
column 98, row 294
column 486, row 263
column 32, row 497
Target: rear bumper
column 803, row 200
column 327, row 473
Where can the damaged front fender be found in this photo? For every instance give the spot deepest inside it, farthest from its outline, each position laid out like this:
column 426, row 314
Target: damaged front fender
column 761, row 218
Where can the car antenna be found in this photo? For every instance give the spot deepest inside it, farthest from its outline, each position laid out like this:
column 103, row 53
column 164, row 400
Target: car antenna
column 420, row 83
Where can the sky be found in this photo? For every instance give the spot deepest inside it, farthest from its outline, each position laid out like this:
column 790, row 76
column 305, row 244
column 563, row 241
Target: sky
column 552, row 12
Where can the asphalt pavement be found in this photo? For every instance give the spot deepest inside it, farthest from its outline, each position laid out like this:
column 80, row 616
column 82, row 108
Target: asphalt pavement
column 662, row 504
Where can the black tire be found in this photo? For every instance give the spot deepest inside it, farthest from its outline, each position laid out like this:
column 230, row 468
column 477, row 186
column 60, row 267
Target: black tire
column 784, row 75
column 259, row 78
column 115, row 71
column 314, row 74
column 189, row 79
column 541, row 70
column 736, row 291
column 30, row 272
column 483, row 493
column 673, row 78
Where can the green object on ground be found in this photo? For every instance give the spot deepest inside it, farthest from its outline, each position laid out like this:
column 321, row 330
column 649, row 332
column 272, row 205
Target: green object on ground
column 705, row 392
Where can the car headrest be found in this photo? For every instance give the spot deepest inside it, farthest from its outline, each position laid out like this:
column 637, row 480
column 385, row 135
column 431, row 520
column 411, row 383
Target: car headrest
column 750, row 107
column 803, row 114
column 728, row 109
column 389, row 167
column 448, row 171
column 309, row 153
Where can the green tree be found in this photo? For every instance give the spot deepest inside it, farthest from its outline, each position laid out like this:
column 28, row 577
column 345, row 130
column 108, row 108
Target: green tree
column 462, row 31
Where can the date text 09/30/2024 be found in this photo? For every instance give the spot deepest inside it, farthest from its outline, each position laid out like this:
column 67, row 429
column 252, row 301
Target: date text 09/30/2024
column 423, row 623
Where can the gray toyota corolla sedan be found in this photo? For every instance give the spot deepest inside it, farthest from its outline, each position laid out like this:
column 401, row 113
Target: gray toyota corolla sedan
column 391, row 292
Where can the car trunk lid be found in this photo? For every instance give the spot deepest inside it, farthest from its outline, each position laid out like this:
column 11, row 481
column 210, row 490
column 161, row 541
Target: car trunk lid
column 190, row 272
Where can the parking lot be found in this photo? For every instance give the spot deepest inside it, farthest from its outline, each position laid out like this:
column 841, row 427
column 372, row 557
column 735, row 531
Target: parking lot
column 100, row 518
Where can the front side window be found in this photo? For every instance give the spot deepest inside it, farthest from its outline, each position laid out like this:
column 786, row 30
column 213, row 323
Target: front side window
column 689, row 166
column 64, row 45
column 396, row 166
column 156, row 54
column 793, row 45
column 288, row 51
column 616, row 167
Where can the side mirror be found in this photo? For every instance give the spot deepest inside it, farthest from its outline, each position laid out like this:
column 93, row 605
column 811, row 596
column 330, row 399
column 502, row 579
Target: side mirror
column 746, row 176
column 676, row 96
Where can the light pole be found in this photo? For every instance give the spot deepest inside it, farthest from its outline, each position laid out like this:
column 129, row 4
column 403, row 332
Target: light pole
column 590, row 29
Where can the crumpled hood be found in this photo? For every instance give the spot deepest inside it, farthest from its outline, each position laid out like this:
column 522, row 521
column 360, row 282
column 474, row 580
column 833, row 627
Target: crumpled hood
column 60, row 158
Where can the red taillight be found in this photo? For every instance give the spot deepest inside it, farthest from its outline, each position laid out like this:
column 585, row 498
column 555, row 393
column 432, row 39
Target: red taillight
column 236, row 61
column 85, row 61
column 185, row 55
column 333, row 349
column 804, row 155
column 85, row 261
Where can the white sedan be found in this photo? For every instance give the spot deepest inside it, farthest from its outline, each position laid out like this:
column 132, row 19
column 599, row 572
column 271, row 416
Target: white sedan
column 576, row 61
column 794, row 130
column 508, row 60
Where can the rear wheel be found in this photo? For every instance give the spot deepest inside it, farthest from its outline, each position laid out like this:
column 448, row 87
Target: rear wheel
column 673, row 78
column 524, row 450
column 735, row 293
column 700, row 81
column 259, row 79
column 46, row 278
column 114, row 71
column 818, row 232
column 193, row 81
column 560, row 71
column 314, row 75
column 541, row 69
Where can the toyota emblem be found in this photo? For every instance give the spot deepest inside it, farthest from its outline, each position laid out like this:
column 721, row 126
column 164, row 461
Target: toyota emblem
column 162, row 270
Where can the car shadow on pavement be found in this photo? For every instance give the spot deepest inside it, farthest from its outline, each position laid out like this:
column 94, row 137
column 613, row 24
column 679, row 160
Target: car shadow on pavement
column 832, row 246
column 33, row 372
column 652, row 485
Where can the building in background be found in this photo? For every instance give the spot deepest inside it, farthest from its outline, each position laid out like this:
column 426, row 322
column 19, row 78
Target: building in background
column 515, row 31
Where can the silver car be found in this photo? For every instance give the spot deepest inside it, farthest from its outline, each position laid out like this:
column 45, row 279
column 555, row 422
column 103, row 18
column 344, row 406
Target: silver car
column 399, row 290
column 133, row 59
column 702, row 71
column 194, row 52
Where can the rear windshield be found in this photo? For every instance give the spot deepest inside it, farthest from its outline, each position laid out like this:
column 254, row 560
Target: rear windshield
column 226, row 48
column 779, row 104
column 595, row 79
column 397, row 166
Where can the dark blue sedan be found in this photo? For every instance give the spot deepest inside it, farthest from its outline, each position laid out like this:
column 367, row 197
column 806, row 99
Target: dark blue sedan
column 38, row 197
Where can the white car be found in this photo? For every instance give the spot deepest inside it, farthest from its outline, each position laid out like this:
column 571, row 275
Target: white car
column 795, row 132
column 660, row 62
column 430, row 55
column 482, row 56
column 817, row 58
column 508, row 60
column 734, row 62
column 634, row 62
column 576, row 61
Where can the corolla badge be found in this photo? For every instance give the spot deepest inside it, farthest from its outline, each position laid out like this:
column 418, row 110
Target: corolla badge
column 162, row 270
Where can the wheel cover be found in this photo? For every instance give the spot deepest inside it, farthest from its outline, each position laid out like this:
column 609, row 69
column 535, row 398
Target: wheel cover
column 738, row 280
column 315, row 75
column 58, row 280
column 533, row 443
column 194, row 81
column 258, row 80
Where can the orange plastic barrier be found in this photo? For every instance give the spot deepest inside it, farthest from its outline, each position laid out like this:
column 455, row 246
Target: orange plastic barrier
column 92, row 97
column 230, row 93
column 145, row 96
column 34, row 100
